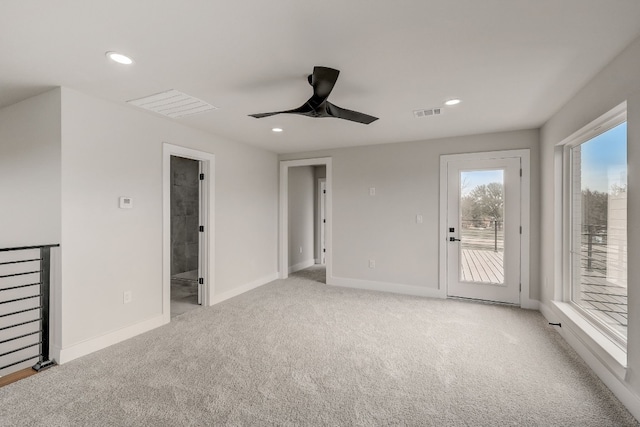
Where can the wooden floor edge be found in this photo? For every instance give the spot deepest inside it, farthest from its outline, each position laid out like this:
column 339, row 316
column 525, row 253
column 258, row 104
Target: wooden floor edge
column 16, row 376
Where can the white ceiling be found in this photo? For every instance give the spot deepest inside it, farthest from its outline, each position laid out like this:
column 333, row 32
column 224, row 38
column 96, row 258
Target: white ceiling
column 513, row 63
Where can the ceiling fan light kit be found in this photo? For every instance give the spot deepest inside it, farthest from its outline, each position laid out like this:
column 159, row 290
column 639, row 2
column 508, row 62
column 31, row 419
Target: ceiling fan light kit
column 323, row 80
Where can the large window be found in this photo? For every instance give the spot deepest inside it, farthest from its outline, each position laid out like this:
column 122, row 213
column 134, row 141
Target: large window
column 597, row 219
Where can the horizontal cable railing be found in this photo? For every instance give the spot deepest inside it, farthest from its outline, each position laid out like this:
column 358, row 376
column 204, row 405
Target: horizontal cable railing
column 598, row 246
column 24, row 307
column 484, row 234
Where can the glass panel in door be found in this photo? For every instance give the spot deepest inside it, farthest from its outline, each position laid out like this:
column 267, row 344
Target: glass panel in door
column 482, row 226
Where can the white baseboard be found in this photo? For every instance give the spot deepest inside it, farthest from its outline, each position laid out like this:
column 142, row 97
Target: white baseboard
column 547, row 313
column 396, row 288
column 302, row 265
column 530, row 304
column 64, row 355
column 610, row 374
column 244, row 288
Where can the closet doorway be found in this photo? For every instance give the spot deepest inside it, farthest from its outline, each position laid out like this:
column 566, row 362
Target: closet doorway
column 188, row 230
column 186, row 291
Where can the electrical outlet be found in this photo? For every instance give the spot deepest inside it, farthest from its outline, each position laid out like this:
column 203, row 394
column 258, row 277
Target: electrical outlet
column 372, row 191
column 126, row 297
column 419, row 219
column 372, row 263
column 300, row 249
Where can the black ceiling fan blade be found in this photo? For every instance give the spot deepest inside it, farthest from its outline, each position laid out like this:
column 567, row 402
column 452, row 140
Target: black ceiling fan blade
column 354, row 116
column 323, row 80
column 304, row 110
column 261, row 115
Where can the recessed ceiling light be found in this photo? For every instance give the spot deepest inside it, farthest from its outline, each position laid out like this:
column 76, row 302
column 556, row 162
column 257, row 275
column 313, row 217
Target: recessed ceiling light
column 453, row 101
column 119, row 58
column 276, row 130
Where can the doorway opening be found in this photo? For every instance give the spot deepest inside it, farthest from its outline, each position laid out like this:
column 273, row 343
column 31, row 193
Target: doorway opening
column 186, row 294
column 484, row 222
column 188, row 230
column 305, row 219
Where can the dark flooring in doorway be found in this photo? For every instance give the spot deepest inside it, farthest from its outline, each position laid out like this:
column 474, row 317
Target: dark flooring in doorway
column 184, row 293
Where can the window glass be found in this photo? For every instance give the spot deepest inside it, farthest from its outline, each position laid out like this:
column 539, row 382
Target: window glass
column 482, row 226
column 598, row 221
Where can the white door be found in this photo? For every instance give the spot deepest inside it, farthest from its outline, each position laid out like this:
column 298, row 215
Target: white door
column 483, row 229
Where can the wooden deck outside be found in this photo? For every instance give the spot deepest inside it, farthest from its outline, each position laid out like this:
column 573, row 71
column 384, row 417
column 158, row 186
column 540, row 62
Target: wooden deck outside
column 482, row 266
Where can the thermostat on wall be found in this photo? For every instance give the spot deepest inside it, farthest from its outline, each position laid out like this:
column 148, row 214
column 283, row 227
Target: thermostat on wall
column 126, row 202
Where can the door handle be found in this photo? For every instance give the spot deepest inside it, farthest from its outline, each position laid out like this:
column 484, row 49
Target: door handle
column 453, row 239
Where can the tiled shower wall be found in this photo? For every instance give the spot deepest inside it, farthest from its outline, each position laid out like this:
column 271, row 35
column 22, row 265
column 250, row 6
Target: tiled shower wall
column 184, row 215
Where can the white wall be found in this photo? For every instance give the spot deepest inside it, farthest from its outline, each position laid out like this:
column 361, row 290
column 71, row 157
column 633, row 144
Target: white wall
column 30, row 171
column 111, row 150
column 301, row 215
column 617, row 82
column 383, row 227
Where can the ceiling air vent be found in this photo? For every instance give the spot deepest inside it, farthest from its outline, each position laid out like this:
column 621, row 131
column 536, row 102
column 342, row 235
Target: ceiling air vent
column 173, row 103
column 426, row 113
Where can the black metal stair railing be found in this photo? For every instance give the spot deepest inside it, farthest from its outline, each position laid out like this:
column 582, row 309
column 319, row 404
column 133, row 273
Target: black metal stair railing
column 25, row 277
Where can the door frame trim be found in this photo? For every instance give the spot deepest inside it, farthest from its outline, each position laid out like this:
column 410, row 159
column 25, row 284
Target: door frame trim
column 321, row 213
column 207, row 207
column 525, row 216
column 283, row 235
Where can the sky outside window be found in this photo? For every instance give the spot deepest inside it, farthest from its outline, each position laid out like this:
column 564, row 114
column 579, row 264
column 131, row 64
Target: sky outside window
column 605, row 157
column 472, row 179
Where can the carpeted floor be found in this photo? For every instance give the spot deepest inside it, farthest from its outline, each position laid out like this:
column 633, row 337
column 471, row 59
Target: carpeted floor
column 298, row 352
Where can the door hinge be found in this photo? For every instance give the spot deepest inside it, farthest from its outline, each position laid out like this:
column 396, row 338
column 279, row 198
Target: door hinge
column 201, row 281
column 201, row 177
column 520, row 229
column 201, row 228
column 520, row 171
column 324, row 250
column 520, row 287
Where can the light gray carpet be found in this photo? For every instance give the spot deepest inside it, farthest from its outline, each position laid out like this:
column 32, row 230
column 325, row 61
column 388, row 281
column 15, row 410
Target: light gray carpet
column 297, row 352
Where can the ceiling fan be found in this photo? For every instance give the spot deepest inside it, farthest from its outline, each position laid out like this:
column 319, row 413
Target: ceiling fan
column 323, row 79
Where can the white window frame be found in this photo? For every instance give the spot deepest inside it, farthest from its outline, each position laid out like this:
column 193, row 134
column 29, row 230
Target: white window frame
column 597, row 331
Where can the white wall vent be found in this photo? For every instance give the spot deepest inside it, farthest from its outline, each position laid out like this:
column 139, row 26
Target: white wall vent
column 426, row 113
column 173, row 103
